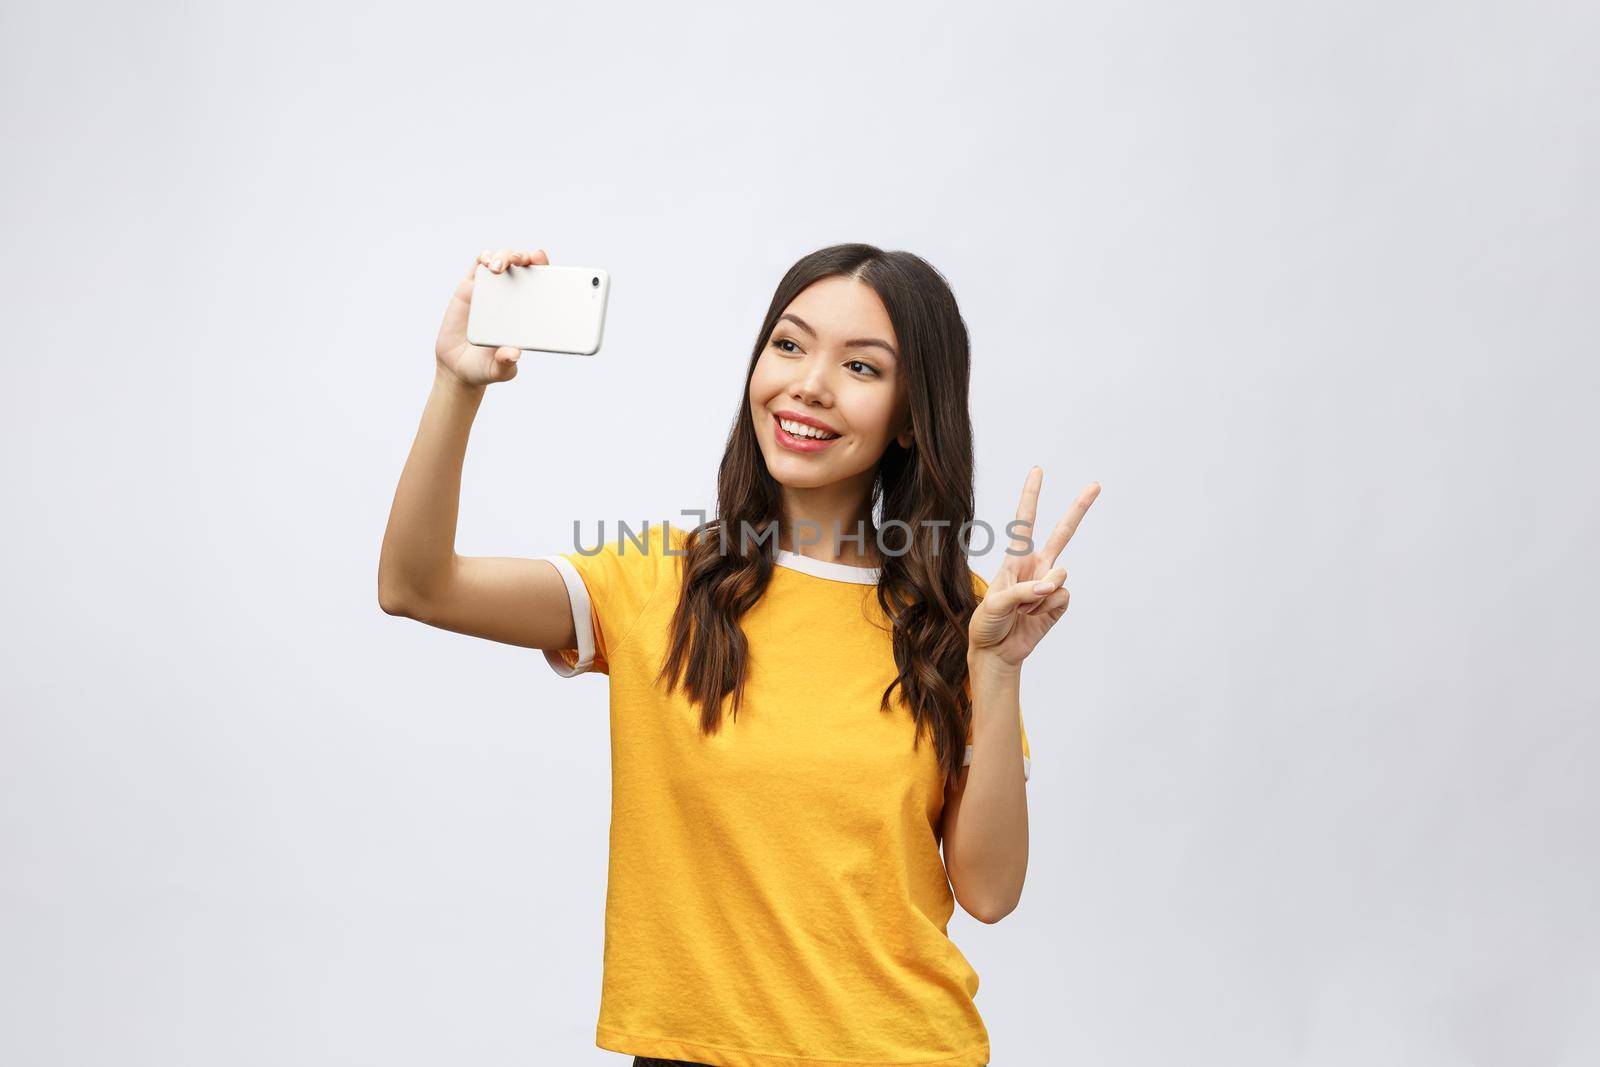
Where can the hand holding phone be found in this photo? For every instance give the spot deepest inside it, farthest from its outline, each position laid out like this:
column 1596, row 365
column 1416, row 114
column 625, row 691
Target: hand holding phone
column 511, row 301
column 539, row 307
column 468, row 363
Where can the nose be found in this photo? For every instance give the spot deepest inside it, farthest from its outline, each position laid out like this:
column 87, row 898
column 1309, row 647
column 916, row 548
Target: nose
column 810, row 385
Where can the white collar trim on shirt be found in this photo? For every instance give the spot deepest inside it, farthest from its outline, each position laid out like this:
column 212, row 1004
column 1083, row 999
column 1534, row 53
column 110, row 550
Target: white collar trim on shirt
column 821, row 568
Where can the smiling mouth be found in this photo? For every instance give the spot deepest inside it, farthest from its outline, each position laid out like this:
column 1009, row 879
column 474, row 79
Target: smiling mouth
column 800, row 439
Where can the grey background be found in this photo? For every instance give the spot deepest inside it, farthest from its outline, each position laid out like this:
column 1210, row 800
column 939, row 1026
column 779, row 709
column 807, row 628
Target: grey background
column 1309, row 287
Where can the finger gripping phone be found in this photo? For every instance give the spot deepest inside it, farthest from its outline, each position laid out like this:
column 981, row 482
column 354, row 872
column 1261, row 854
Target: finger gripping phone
column 539, row 308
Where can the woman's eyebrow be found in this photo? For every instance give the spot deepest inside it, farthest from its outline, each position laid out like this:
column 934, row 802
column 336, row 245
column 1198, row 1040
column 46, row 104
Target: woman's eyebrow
column 857, row 343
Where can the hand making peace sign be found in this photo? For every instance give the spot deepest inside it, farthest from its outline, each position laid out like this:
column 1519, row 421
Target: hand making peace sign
column 1028, row 595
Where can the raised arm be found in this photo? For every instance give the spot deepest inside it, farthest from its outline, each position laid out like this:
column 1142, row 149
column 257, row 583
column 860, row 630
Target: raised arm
column 517, row 601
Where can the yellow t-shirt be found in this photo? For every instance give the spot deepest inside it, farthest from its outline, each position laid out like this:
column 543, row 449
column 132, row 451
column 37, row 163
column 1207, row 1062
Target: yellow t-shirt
column 776, row 895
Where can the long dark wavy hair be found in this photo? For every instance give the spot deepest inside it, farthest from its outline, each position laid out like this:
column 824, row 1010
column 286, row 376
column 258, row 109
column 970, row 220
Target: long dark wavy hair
column 926, row 595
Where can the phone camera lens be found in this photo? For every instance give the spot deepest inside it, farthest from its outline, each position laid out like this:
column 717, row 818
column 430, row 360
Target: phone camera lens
column 595, row 282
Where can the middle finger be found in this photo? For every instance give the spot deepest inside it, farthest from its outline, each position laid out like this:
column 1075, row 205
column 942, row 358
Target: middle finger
column 1069, row 524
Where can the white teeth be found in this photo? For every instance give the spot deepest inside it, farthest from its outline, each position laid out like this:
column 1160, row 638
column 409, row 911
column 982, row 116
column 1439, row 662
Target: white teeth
column 800, row 429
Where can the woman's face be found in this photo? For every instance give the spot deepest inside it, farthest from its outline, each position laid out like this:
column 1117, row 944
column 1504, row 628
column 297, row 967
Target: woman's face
column 830, row 362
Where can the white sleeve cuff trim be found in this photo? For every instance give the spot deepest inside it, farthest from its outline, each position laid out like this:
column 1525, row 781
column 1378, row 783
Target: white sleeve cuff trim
column 582, row 624
column 1027, row 763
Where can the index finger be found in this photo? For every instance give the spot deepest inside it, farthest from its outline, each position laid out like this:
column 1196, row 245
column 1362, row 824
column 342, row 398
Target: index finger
column 1027, row 508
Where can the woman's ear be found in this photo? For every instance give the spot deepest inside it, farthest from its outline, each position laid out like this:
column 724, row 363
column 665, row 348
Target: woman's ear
column 905, row 438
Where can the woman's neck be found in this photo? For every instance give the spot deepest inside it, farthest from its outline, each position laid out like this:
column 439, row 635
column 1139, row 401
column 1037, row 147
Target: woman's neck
column 828, row 524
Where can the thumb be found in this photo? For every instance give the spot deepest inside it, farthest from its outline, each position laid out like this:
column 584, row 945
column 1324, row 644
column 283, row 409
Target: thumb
column 1026, row 594
column 505, row 363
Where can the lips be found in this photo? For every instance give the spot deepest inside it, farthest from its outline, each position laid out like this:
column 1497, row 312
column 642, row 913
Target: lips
column 799, row 444
column 790, row 415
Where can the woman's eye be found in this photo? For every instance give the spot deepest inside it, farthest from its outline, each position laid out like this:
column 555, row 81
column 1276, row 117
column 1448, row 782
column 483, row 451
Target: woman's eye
column 860, row 366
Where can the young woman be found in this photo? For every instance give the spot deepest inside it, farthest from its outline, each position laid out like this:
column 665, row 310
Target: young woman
column 809, row 692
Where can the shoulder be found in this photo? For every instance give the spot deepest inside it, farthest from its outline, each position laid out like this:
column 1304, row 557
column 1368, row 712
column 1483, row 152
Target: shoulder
column 648, row 541
column 979, row 586
column 638, row 557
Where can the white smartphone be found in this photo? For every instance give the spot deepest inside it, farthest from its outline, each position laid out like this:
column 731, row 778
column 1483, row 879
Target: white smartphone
column 539, row 308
